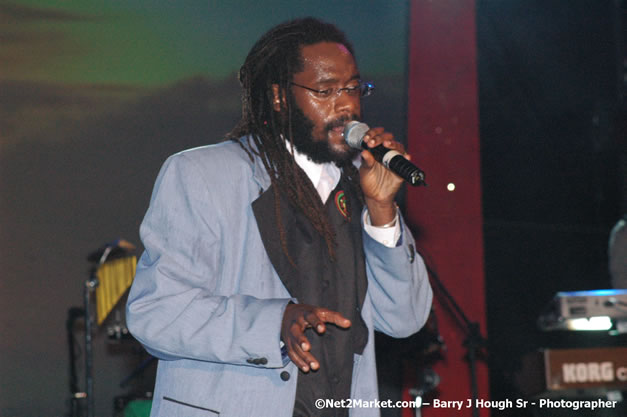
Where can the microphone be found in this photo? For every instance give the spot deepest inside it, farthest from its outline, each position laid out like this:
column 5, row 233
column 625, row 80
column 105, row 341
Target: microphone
column 354, row 133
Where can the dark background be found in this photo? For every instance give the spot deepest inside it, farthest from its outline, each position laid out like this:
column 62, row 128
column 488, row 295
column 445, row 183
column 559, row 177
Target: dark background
column 78, row 160
column 553, row 139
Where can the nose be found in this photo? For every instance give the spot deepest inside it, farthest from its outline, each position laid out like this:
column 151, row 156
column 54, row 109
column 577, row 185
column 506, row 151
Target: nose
column 347, row 104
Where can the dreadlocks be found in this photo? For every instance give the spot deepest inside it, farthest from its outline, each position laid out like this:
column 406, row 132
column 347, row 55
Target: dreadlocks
column 272, row 61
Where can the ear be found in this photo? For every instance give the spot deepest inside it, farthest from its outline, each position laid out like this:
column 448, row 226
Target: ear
column 278, row 98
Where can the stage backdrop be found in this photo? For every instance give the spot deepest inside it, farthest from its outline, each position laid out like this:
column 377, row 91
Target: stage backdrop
column 93, row 97
column 443, row 132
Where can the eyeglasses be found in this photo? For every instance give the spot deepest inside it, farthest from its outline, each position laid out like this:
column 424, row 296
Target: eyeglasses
column 362, row 89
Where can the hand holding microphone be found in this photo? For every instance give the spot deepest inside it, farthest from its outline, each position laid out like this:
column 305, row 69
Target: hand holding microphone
column 393, row 160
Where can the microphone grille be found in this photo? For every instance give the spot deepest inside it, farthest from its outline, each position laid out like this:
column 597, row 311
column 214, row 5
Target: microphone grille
column 354, row 133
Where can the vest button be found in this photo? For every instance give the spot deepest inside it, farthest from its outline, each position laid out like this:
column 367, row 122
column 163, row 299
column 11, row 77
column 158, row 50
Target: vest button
column 285, row 376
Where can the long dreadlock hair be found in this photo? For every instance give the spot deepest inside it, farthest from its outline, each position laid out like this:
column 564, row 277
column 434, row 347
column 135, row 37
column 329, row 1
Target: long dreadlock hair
column 273, row 60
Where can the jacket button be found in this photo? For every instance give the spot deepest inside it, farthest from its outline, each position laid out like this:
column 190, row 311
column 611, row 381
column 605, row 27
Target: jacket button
column 263, row 361
column 249, row 360
column 285, row 375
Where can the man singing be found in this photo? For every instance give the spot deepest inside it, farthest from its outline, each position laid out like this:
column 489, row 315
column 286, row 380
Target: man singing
column 270, row 258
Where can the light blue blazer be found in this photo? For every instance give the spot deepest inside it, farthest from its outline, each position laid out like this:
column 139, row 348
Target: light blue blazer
column 208, row 303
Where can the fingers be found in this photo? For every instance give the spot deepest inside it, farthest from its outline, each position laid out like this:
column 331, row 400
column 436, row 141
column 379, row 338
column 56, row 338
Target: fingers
column 334, row 317
column 298, row 347
column 377, row 136
column 297, row 318
column 315, row 322
column 379, row 184
column 367, row 159
column 297, row 344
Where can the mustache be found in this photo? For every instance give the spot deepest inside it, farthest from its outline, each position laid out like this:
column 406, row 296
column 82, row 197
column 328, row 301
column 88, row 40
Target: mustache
column 340, row 121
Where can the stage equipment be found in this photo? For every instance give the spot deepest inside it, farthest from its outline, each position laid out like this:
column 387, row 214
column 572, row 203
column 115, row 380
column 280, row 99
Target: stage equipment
column 110, row 276
column 428, row 380
column 579, row 372
column 597, row 369
column 586, row 310
column 73, row 314
column 475, row 343
column 115, row 277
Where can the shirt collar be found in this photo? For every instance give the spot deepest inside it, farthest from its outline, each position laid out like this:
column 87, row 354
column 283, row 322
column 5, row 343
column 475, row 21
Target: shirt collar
column 324, row 177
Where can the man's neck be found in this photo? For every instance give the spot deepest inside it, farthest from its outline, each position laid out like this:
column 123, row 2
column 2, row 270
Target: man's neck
column 323, row 176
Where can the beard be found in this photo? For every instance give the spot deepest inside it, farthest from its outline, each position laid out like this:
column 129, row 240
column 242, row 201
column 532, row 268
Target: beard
column 318, row 150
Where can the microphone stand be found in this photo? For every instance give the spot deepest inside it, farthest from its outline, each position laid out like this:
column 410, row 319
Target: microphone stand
column 73, row 314
column 90, row 286
column 474, row 342
column 428, row 382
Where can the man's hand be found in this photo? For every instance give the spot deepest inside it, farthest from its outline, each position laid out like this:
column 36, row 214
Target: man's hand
column 296, row 319
column 378, row 183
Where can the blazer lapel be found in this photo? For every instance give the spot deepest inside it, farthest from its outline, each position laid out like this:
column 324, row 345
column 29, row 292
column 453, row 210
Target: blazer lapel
column 265, row 214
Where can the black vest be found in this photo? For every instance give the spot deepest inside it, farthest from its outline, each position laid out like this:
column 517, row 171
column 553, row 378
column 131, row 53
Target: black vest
column 338, row 285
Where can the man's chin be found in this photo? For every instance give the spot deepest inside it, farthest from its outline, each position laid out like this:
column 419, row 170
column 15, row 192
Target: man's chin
column 342, row 153
column 325, row 154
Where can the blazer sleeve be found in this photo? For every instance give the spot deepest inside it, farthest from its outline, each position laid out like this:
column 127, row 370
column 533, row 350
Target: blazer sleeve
column 398, row 285
column 174, row 308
